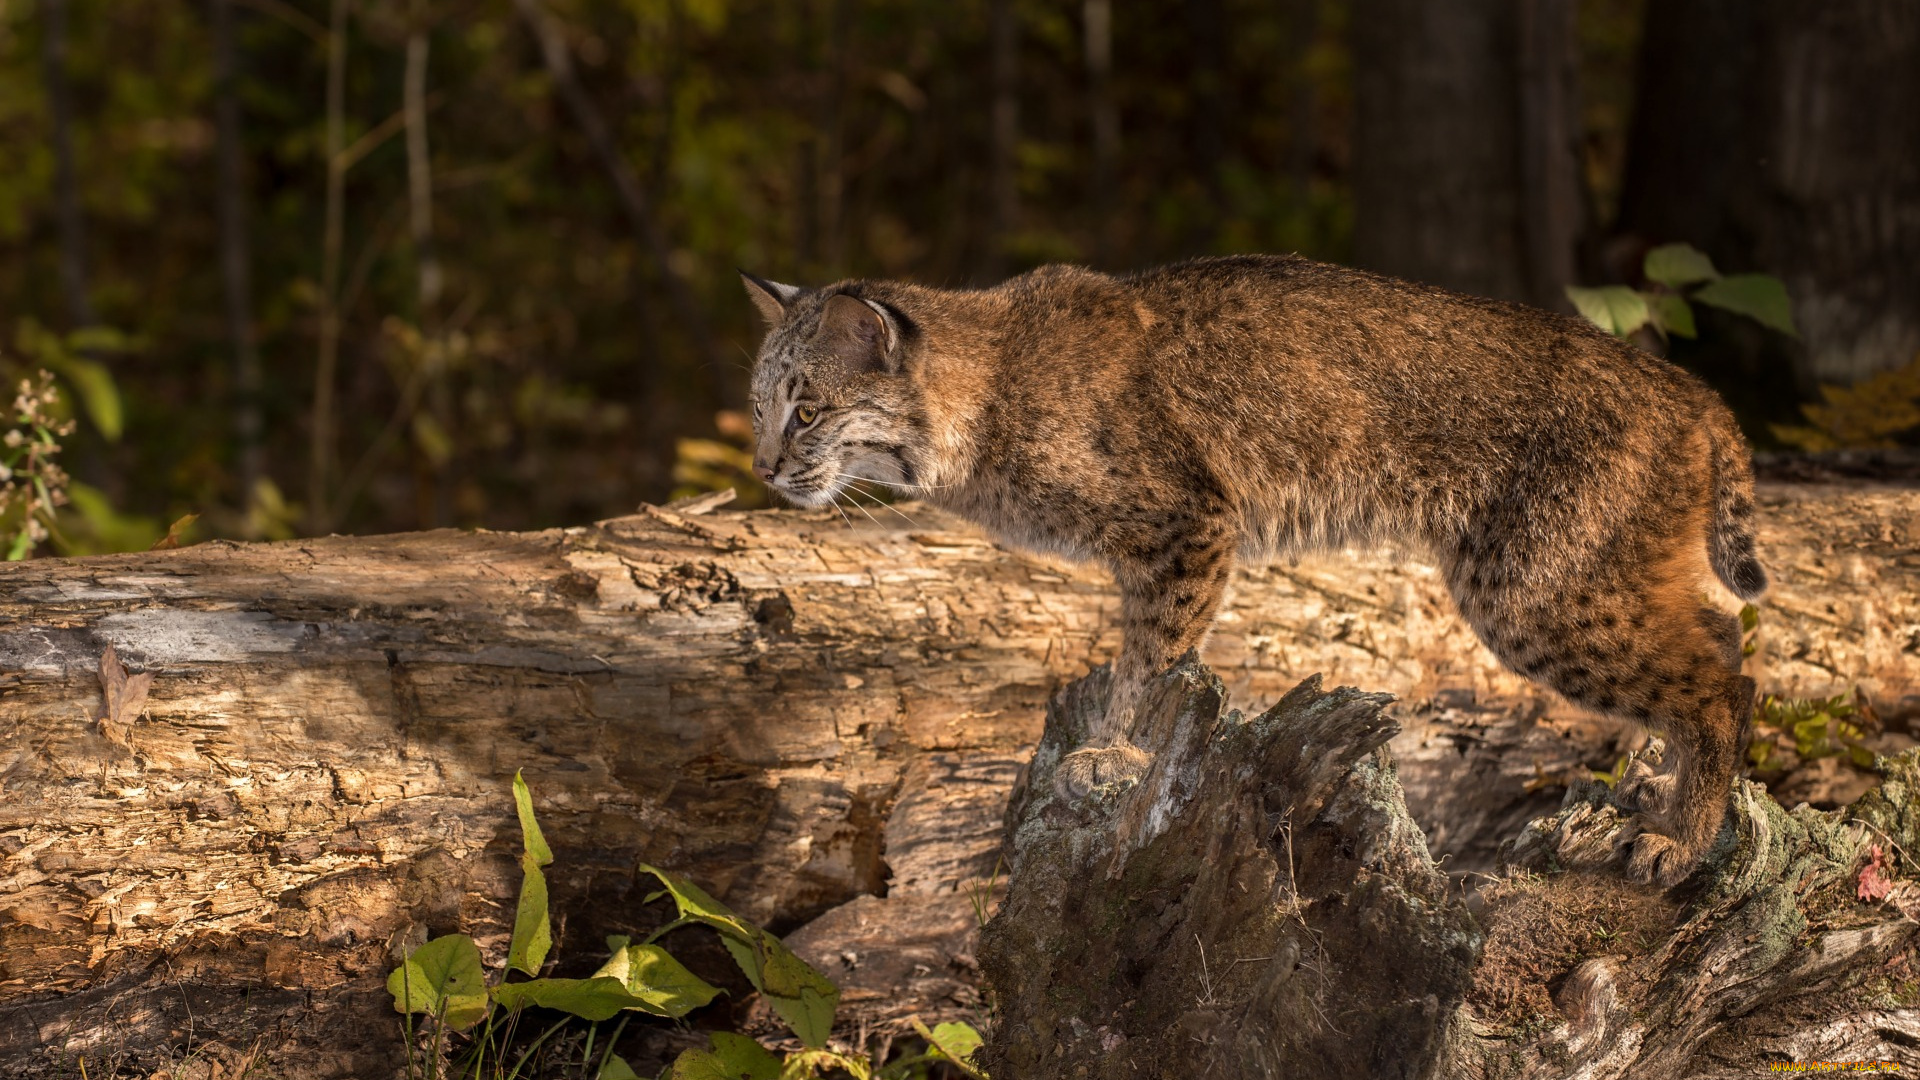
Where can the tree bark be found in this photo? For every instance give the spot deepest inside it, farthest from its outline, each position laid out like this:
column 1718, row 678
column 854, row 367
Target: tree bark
column 235, row 256
column 1262, row 904
column 819, row 723
column 1464, row 164
column 1103, row 122
column 1765, row 135
column 66, row 176
column 1003, row 146
column 322, row 439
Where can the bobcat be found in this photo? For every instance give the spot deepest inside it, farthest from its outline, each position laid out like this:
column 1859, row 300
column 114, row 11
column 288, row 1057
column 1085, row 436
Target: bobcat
column 1573, row 489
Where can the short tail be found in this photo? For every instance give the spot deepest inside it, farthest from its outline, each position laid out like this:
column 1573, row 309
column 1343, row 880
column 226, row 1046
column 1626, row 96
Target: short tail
column 1730, row 537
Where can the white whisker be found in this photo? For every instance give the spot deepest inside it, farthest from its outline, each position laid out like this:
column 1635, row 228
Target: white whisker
column 878, row 501
column 857, row 506
column 893, row 483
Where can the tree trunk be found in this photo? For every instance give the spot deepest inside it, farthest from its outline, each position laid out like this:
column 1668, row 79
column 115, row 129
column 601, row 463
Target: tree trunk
column 1464, row 161
column 1003, row 147
column 819, row 723
column 1103, row 122
column 1262, row 904
column 235, row 257
column 66, row 175
column 323, row 442
column 1769, row 136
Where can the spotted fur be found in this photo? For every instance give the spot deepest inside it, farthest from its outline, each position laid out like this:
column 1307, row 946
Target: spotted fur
column 1575, row 491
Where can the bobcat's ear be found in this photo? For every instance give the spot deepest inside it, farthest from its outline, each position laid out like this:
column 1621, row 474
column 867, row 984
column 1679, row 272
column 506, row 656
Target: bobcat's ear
column 770, row 297
column 864, row 335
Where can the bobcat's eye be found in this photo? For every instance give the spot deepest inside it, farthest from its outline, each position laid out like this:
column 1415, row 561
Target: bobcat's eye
column 807, row 414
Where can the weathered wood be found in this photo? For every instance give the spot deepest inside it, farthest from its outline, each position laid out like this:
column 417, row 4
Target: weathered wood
column 800, row 714
column 1262, row 904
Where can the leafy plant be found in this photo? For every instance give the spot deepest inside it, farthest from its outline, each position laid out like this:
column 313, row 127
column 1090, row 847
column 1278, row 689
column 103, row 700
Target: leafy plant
column 1679, row 276
column 32, row 484
column 1812, row 728
column 445, row 981
column 1869, row 414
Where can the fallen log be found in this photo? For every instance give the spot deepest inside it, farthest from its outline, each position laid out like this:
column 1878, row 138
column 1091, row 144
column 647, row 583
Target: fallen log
column 817, row 721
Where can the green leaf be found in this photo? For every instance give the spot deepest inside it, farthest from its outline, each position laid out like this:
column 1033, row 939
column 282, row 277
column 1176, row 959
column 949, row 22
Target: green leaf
column 532, row 928
column 694, row 903
column 653, row 976
column 801, row 996
column 597, row 998
column 1674, row 265
column 733, row 1057
column 1673, row 315
column 1614, row 308
column 93, row 384
column 442, row 977
column 617, row 1068
column 1760, row 297
column 532, row 840
column 1749, row 618
column 956, row 1042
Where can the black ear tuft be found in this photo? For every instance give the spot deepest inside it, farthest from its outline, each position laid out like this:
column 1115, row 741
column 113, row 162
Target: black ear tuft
column 770, row 297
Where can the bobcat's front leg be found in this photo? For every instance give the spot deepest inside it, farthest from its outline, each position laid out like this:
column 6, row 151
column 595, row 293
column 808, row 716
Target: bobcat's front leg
column 1167, row 605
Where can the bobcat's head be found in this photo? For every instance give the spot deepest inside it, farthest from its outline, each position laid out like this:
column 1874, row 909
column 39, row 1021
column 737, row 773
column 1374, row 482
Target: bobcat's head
column 832, row 400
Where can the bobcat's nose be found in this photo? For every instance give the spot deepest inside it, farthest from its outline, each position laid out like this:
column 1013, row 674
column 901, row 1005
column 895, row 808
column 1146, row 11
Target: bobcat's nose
column 763, row 470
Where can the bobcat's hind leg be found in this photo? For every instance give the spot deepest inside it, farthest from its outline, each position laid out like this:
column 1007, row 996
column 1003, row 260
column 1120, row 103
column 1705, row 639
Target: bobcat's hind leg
column 1643, row 650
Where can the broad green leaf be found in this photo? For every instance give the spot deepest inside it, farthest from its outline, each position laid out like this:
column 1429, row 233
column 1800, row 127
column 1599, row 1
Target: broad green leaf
column 1749, row 617
column 532, row 928
column 617, row 1068
column 1672, row 314
column 1614, row 308
column 533, row 841
column 94, row 385
column 954, row 1042
column 1760, row 297
column 694, row 903
column 442, row 977
column 733, row 1057
column 650, row 974
column 1674, row 265
column 802, row 997
column 597, row 998
column 957, row 1041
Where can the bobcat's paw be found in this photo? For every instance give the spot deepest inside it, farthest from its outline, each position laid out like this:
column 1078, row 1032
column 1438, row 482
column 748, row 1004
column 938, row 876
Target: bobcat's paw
column 1083, row 770
column 1654, row 858
column 1642, row 789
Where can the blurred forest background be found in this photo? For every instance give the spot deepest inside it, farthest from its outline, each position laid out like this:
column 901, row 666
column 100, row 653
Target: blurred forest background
column 370, row 265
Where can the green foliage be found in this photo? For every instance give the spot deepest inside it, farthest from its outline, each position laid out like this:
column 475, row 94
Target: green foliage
column 32, row 483
column 1874, row 413
column 803, row 997
column 532, row 930
column 1812, row 728
column 444, row 980
column 1679, row 276
column 728, row 1057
